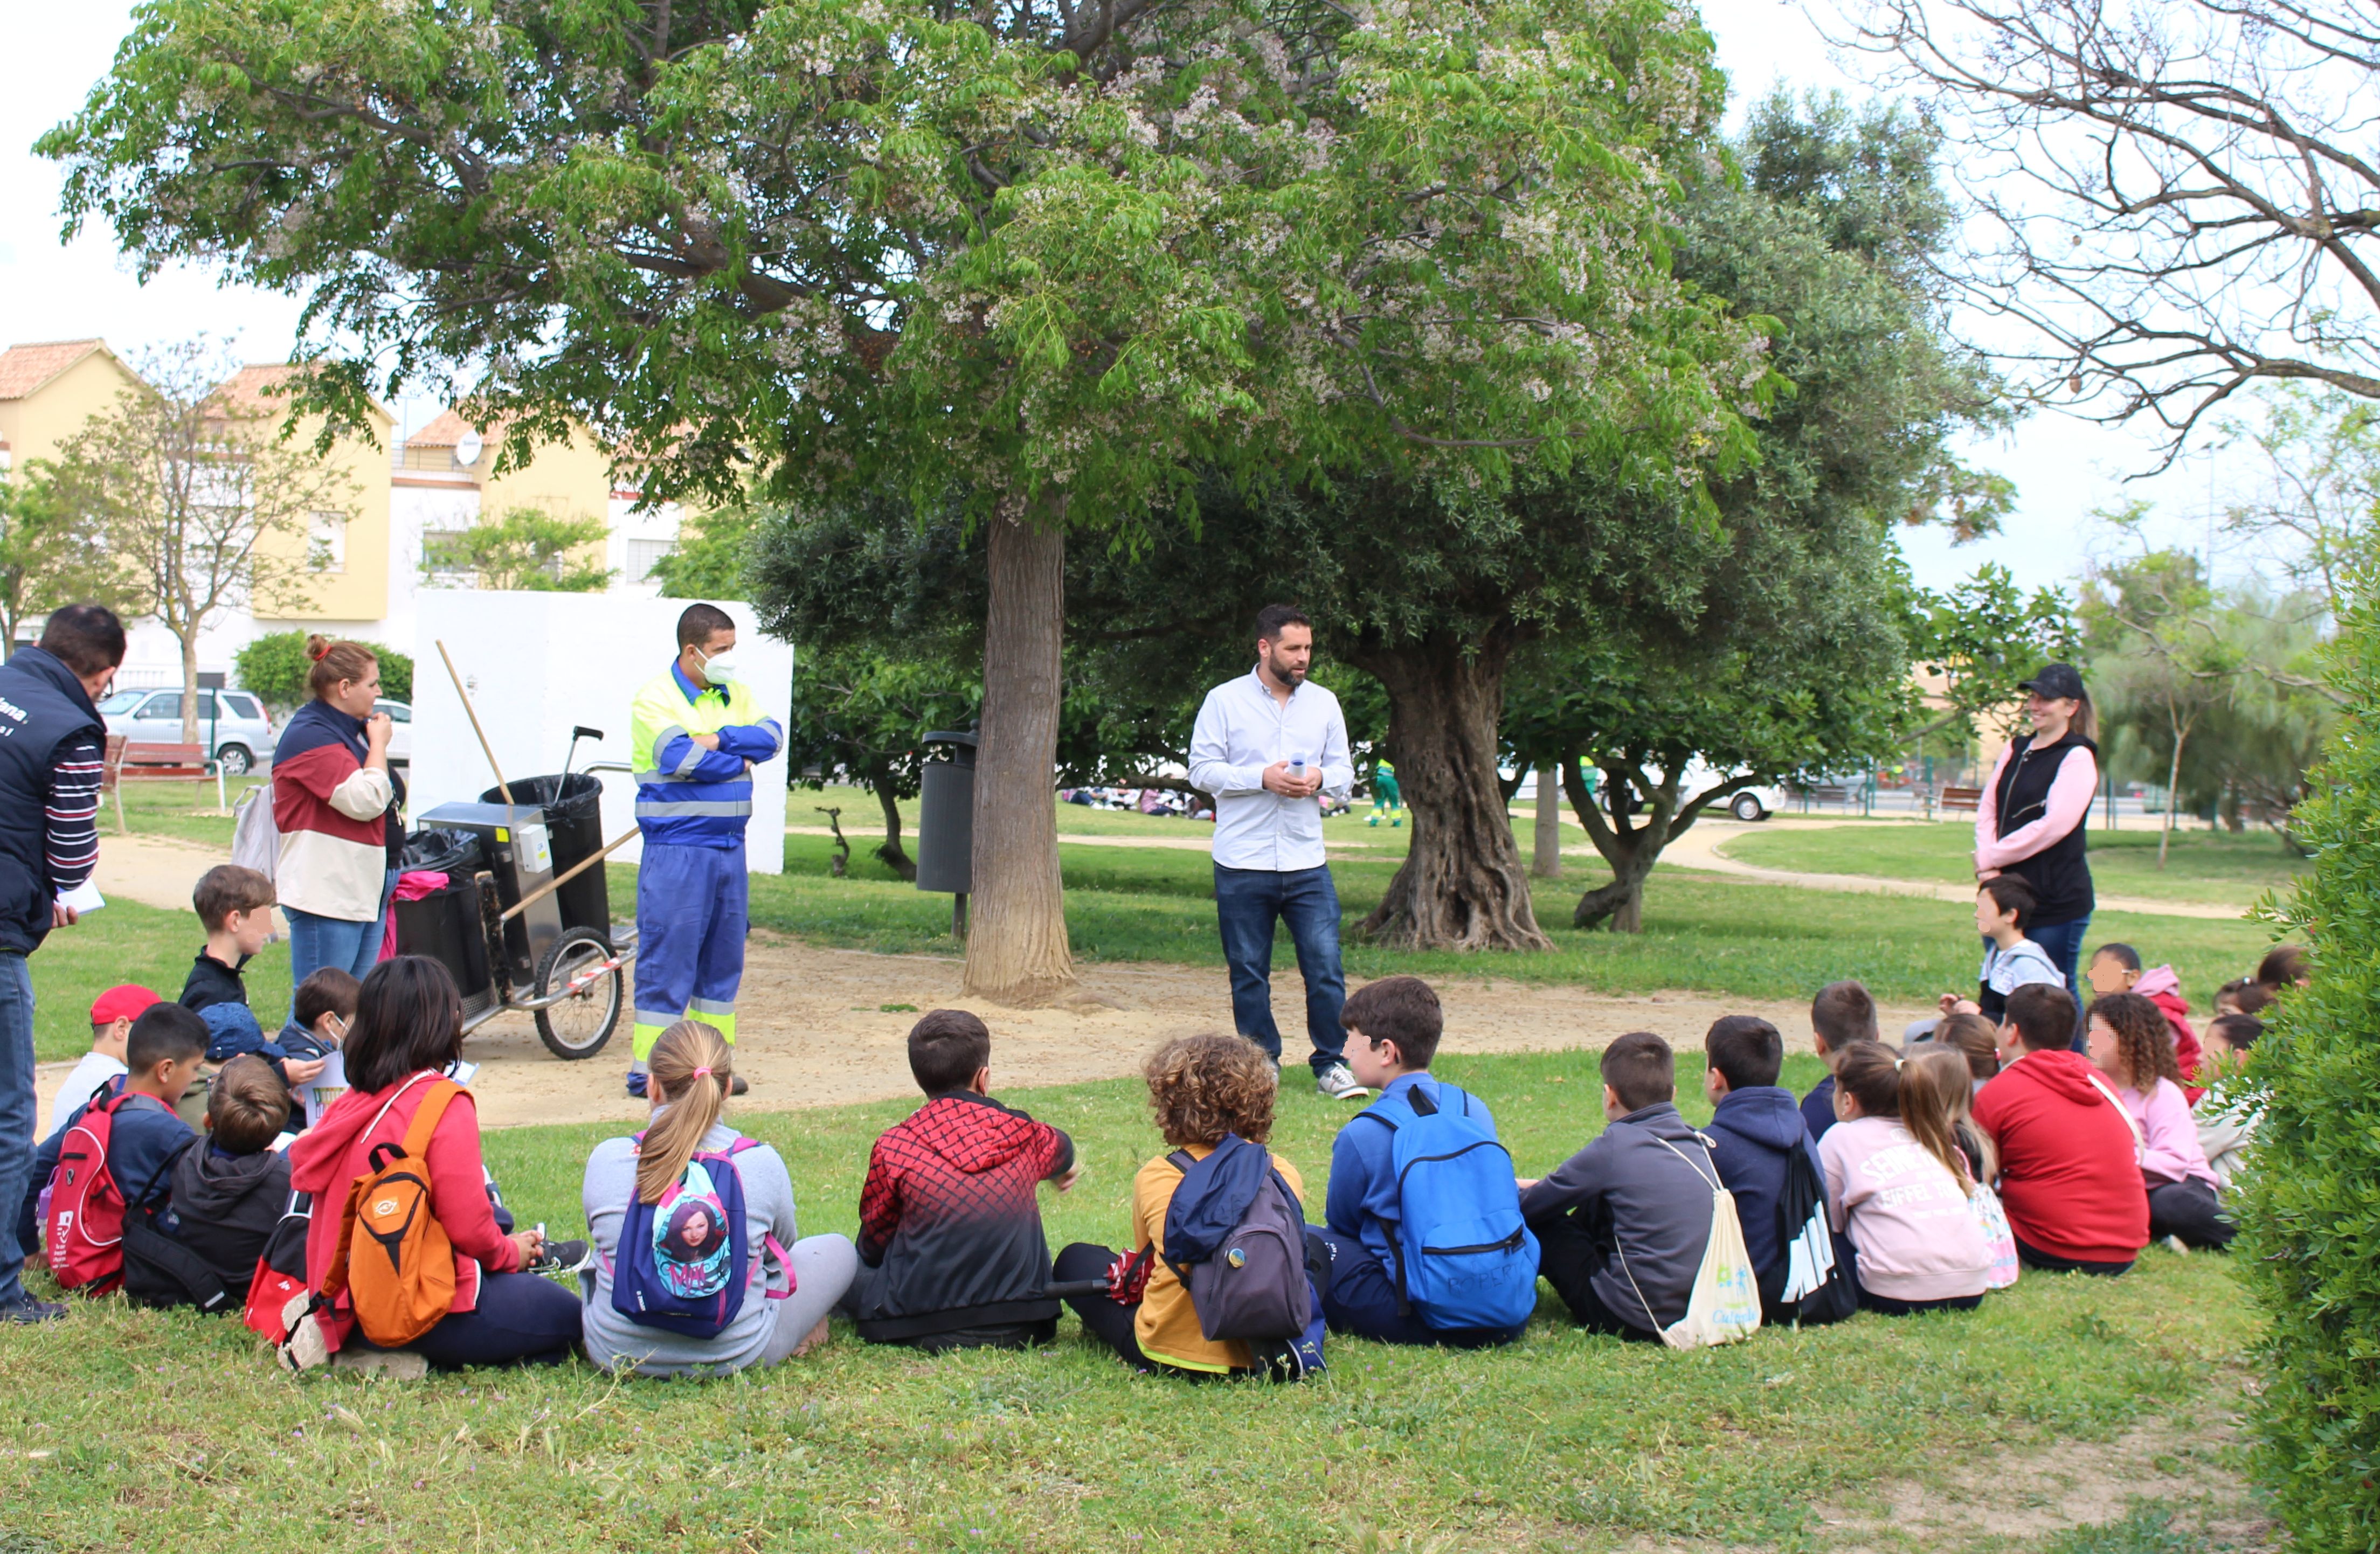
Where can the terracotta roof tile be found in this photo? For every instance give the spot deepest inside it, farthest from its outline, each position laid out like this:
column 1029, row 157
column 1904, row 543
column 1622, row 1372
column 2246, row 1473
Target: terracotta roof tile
column 445, row 432
column 24, row 368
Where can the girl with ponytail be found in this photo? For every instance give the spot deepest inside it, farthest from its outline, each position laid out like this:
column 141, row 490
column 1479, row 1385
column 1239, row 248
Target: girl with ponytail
column 1899, row 1184
column 669, row 1178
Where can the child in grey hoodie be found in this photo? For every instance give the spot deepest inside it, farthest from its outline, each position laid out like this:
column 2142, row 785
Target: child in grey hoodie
column 1623, row 1224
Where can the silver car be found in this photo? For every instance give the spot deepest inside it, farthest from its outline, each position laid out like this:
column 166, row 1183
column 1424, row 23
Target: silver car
column 400, row 733
column 234, row 725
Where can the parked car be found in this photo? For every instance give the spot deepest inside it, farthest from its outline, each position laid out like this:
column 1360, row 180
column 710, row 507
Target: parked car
column 1746, row 804
column 235, row 722
column 400, row 733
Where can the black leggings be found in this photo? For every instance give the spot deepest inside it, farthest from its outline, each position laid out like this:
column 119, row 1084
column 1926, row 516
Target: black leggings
column 522, row 1318
column 2050, row 1262
column 1885, row 1305
column 1107, row 1321
column 2191, row 1209
column 1569, row 1259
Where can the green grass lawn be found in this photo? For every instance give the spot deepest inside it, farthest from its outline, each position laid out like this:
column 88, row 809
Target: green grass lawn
column 138, row 1430
column 184, row 811
column 2203, row 866
column 129, row 942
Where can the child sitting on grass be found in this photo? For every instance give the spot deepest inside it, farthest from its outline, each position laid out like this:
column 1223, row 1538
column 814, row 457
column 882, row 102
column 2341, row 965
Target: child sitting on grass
column 1623, row 1224
column 2003, row 907
column 2070, row 1177
column 1958, row 1063
column 952, row 1254
column 2243, row 995
column 162, row 1054
column 2131, row 1047
column 1200, row 1087
column 2227, row 1127
column 1841, row 1014
column 112, row 1015
column 1898, row 1183
column 690, row 1244
column 1976, row 1040
column 2284, row 966
column 230, row 1188
column 1755, row 1133
column 2115, row 968
column 1393, row 1027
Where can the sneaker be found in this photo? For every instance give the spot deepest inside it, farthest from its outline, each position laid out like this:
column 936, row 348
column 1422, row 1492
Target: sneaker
column 2177, row 1246
column 25, row 1308
column 637, row 1083
column 1338, row 1083
column 563, row 1257
column 397, row 1364
column 305, row 1347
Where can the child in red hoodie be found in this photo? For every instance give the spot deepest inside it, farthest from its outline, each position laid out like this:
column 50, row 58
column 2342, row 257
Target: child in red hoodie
column 2115, row 968
column 951, row 1250
column 2069, row 1170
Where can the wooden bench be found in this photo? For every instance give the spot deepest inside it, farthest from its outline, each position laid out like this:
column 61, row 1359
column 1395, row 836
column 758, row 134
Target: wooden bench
column 153, row 763
column 1962, row 798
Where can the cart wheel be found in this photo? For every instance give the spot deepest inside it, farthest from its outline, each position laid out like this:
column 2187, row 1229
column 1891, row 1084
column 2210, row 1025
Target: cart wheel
column 581, row 1024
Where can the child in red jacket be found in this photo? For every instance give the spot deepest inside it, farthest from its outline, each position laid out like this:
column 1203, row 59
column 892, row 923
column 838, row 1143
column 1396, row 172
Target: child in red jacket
column 2069, row 1163
column 2115, row 968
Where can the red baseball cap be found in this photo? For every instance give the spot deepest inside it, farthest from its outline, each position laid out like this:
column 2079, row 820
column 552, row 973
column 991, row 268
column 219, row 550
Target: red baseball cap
column 125, row 1002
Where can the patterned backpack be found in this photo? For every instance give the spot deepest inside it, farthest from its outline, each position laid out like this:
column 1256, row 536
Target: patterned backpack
column 684, row 1262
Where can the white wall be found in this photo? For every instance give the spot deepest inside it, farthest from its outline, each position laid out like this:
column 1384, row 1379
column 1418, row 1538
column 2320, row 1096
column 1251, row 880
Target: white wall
column 537, row 663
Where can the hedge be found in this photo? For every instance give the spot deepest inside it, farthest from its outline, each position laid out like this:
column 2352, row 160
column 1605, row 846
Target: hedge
column 274, row 666
column 2310, row 1247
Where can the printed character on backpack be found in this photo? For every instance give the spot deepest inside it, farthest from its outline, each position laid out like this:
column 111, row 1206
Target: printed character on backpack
column 1422, row 1215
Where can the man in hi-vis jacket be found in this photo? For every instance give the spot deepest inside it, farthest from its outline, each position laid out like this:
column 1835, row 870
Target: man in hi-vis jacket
column 697, row 734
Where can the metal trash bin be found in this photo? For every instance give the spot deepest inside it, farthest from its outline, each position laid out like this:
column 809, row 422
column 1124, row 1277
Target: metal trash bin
column 572, row 803
column 519, row 854
column 946, row 815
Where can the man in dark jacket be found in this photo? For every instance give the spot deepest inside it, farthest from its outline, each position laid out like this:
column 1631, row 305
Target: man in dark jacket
column 951, row 1249
column 1622, row 1225
column 1755, row 1133
column 51, row 745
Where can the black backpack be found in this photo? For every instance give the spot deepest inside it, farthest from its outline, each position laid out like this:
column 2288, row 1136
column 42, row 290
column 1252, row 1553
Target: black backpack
column 1813, row 1261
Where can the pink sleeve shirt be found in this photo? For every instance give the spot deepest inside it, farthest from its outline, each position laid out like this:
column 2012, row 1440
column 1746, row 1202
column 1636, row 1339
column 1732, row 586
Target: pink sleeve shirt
column 2071, row 793
column 2169, row 1150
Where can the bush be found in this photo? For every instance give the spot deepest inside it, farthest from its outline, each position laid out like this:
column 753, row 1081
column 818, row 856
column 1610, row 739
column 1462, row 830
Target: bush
column 2310, row 1242
column 274, row 666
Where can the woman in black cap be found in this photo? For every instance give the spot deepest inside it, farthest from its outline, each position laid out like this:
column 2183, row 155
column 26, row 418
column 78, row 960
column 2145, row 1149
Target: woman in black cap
column 2037, row 807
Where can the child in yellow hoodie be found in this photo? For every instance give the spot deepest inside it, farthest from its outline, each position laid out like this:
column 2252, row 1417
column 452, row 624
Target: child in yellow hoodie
column 1200, row 1087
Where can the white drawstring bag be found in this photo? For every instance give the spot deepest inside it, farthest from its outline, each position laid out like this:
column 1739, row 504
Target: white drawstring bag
column 255, row 841
column 1725, row 1305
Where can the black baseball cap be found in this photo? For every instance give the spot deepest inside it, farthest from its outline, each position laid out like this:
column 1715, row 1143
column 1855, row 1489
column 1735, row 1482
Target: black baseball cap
column 2059, row 682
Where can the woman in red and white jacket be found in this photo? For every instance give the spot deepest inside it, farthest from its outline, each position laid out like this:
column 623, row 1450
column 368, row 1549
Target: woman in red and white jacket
column 406, row 1033
column 337, row 807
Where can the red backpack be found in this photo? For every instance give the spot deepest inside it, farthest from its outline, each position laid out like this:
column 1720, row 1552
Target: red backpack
column 84, row 1237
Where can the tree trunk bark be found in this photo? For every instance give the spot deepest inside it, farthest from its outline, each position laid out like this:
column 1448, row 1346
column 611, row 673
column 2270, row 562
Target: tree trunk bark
column 1630, row 850
column 1546, row 864
column 2172, row 791
column 889, row 852
column 1017, row 952
column 190, row 688
column 1462, row 886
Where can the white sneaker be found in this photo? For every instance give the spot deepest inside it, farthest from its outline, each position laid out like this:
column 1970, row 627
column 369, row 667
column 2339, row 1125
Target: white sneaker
column 2177, row 1246
column 305, row 1348
column 397, row 1364
column 1338, row 1083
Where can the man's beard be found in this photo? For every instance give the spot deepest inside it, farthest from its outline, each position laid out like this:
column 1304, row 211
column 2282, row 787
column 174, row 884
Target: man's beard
column 1281, row 672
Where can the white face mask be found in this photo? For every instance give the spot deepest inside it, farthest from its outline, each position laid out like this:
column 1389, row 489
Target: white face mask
column 719, row 668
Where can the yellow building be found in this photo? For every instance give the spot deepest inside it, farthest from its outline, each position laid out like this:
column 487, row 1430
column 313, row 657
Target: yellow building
column 49, row 390
column 345, row 550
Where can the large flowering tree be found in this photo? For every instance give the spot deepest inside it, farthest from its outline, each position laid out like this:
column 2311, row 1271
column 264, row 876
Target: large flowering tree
column 1049, row 257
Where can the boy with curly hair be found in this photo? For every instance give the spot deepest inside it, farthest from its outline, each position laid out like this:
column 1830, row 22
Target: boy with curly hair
column 1200, row 1089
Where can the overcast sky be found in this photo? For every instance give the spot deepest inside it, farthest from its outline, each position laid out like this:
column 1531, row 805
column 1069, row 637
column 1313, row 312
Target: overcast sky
column 2063, row 468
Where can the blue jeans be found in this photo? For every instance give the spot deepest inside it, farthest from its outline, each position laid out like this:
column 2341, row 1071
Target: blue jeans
column 1361, row 1301
column 2064, row 943
column 315, row 942
column 522, row 1318
column 16, row 1117
column 1247, row 903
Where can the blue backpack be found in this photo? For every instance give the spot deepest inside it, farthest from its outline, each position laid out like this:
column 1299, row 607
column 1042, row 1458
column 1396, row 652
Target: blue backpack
column 685, row 1261
column 1465, row 1260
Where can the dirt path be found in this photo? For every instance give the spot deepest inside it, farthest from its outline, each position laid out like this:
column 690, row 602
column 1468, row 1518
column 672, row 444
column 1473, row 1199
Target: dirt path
column 1699, row 848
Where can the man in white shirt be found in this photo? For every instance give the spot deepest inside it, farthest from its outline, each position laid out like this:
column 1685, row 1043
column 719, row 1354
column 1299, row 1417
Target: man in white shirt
column 1268, row 746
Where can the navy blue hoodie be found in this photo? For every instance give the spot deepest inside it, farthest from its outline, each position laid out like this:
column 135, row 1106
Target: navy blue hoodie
column 1750, row 1133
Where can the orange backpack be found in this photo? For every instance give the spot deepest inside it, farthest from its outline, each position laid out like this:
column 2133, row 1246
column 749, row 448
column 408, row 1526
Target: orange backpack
column 398, row 1273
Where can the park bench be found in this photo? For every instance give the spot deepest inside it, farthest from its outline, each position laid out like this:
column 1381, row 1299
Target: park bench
column 1962, row 798
column 153, row 763
column 1828, row 793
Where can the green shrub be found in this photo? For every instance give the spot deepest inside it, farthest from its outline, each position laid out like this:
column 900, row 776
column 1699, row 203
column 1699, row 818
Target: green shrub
column 274, row 666
column 2310, row 1246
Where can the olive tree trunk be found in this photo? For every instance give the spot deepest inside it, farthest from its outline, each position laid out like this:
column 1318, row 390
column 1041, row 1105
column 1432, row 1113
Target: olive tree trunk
column 1631, row 842
column 1546, row 864
column 1463, row 886
column 1017, row 952
column 889, row 852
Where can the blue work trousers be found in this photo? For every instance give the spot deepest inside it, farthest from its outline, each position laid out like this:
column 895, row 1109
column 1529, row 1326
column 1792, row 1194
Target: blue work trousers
column 693, row 911
column 1249, row 902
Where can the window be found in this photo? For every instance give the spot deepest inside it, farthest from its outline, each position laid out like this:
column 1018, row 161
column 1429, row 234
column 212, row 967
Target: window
column 643, row 553
column 237, row 705
column 326, row 543
column 398, row 712
column 163, row 706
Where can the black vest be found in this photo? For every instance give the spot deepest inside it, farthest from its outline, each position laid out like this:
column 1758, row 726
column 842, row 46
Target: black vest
column 2059, row 874
column 42, row 706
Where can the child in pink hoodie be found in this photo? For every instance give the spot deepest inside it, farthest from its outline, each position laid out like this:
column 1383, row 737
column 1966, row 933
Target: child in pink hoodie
column 2131, row 1048
column 2115, row 968
column 1898, row 1185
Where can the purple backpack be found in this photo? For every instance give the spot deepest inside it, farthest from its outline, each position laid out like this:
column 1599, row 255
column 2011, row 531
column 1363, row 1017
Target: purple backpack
column 684, row 1262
